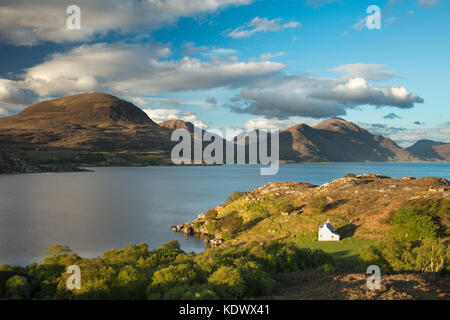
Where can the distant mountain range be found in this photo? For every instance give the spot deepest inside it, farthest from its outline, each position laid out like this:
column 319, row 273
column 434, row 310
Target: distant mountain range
column 98, row 122
column 337, row 140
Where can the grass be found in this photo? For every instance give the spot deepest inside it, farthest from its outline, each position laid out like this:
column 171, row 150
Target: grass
column 345, row 252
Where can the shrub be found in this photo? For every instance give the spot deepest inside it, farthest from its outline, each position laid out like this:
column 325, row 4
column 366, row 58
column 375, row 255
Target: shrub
column 211, row 214
column 319, row 204
column 432, row 256
column 327, row 268
column 174, row 275
column 350, row 175
column 212, row 259
column 18, row 287
column 257, row 282
column 287, row 207
column 278, row 257
column 166, row 273
column 232, row 222
column 211, row 227
column 411, row 225
column 197, row 225
column 61, row 255
column 234, row 196
column 433, row 207
column 228, row 282
column 372, row 255
column 398, row 255
column 172, row 245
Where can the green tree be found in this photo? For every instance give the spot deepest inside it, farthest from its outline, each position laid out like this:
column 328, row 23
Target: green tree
column 228, row 282
column 17, row 288
column 431, row 256
column 211, row 214
column 61, row 255
column 234, row 196
column 411, row 225
column 174, row 275
column 232, row 222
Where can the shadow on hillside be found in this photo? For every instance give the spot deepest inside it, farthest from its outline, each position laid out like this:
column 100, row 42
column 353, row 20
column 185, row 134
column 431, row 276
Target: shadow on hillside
column 335, row 204
column 255, row 221
column 347, row 231
column 346, row 261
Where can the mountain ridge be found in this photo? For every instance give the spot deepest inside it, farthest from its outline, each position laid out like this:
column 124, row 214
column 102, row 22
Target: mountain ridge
column 101, row 122
column 429, row 149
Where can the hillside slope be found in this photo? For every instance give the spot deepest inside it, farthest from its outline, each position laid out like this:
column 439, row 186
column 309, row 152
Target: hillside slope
column 92, row 121
column 357, row 206
column 337, row 140
column 430, row 150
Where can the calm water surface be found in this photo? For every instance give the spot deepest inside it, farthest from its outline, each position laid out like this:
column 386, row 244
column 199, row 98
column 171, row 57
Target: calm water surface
column 113, row 207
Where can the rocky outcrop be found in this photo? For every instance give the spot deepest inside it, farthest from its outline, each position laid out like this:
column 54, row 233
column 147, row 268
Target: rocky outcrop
column 14, row 164
column 213, row 240
column 11, row 164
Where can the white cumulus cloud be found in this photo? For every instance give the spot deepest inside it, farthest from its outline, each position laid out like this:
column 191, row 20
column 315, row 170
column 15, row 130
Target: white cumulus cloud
column 364, row 70
column 129, row 69
column 306, row 96
column 12, row 95
column 269, row 124
column 161, row 115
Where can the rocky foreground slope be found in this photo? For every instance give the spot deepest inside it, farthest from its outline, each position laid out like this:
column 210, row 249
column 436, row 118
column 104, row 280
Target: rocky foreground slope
column 315, row 285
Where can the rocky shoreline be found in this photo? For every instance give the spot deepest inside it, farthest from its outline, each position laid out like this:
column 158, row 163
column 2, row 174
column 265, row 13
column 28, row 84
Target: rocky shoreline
column 10, row 164
column 212, row 239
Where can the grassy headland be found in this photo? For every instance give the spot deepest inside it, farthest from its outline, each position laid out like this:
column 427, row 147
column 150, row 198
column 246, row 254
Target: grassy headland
column 268, row 248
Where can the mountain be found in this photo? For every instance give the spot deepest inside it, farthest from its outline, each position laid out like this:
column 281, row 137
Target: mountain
column 336, row 140
column 178, row 124
column 111, row 131
column 430, row 150
column 181, row 124
column 92, row 121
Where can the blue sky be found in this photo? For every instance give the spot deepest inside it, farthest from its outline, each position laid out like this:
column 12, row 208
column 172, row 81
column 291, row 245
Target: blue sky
column 239, row 64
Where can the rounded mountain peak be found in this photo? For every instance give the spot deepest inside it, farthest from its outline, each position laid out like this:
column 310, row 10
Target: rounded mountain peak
column 87, row 108
column 338, row 124
column 177, row 124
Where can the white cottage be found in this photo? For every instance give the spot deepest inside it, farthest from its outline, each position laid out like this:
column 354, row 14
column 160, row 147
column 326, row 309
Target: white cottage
column 327, row 233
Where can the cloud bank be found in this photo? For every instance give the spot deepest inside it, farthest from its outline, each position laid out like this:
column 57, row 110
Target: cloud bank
column 22, row 22
column 287, row 96
column 128, row 69
column 161, row 115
